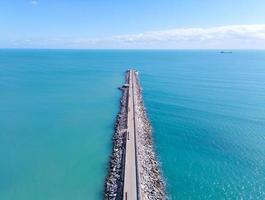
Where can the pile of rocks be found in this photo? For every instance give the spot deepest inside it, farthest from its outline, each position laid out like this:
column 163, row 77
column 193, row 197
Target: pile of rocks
column 114, row 180
column 151, row 182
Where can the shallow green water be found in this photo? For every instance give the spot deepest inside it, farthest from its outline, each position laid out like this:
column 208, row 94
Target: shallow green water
column 57, row 109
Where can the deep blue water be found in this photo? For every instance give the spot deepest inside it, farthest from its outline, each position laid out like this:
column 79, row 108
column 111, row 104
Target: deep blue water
column 57, row 109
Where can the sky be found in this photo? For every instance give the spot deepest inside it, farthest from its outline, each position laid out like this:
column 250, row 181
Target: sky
column 133, row 24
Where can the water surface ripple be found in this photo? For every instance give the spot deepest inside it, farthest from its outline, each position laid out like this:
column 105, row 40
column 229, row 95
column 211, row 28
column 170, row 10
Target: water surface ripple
column 57, row 109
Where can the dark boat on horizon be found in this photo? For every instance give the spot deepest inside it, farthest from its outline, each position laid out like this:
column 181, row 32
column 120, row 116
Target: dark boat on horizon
column 226, row 52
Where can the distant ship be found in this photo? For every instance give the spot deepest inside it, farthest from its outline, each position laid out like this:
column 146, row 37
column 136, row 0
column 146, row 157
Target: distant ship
column 226, row 52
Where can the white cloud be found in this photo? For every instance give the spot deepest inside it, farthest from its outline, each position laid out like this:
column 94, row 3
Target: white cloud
column 201, row 34
column 34, row 2
column 229, row 37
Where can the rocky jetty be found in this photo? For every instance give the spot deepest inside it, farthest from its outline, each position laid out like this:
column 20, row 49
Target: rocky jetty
column 151, row 181
column 151, row 185
column 114, row 180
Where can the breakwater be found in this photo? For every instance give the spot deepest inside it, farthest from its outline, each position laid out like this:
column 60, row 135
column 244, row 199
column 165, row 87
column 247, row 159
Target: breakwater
column 133, row 169
column 151, row 181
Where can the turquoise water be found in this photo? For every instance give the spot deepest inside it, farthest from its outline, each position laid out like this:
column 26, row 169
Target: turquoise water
column 57, row 109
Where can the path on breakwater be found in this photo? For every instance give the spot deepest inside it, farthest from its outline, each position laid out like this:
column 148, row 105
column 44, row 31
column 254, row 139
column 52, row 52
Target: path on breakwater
column 130, row 189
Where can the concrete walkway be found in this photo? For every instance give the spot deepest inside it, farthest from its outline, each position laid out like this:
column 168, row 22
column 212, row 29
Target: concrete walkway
column 130, row 173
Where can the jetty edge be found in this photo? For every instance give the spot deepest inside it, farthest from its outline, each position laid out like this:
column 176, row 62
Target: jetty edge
column 134, row 172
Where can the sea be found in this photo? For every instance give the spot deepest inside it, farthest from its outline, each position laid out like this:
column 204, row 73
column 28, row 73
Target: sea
column 58, row 108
